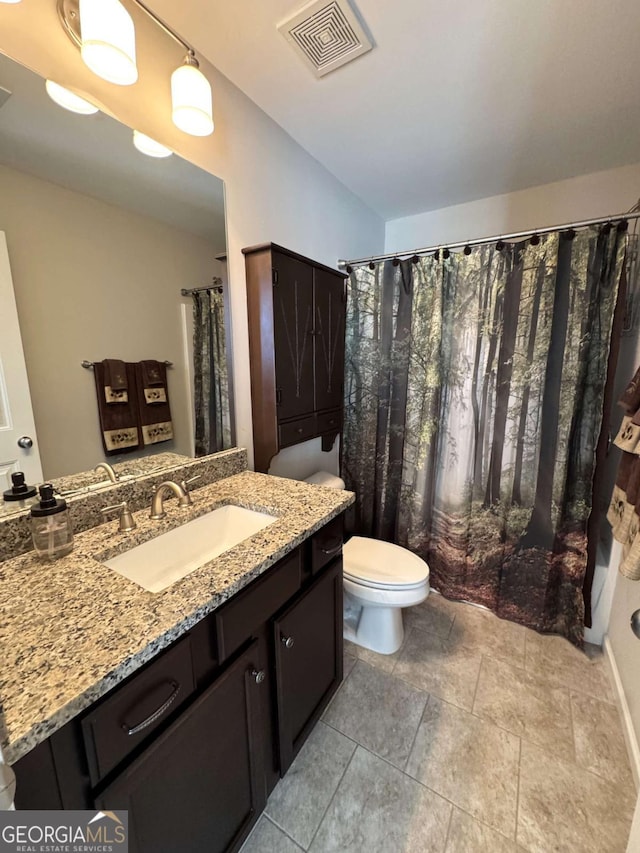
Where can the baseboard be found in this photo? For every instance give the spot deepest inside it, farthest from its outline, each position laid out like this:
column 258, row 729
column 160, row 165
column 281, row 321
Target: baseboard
column 633, row 748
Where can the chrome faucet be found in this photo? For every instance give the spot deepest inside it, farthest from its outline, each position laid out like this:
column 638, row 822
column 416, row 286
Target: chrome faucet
column 157, row 501
column 111, row 474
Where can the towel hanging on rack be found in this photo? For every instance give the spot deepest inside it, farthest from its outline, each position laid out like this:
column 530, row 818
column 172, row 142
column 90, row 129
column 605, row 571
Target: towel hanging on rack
column 624, row 509
column 117, row 409
column 154, row 412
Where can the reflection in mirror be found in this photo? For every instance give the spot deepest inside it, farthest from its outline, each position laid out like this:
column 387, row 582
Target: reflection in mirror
column 104, row 246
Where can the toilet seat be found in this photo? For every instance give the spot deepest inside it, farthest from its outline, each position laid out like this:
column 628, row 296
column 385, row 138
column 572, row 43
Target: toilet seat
column 382, row 565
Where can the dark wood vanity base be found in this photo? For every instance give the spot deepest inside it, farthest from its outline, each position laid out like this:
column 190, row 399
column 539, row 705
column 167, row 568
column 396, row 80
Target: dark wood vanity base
column 193, row 743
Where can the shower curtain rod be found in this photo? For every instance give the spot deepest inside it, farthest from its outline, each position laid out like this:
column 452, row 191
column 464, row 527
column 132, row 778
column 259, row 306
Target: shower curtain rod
column 409, row 253
column 187, row 291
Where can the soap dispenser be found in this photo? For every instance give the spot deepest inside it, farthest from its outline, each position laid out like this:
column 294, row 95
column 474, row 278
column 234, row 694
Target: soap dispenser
column 21, row 495
column 51, row 526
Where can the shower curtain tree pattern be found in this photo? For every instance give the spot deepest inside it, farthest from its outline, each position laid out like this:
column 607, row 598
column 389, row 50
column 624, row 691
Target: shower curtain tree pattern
column 473, row 406
column 211, row 392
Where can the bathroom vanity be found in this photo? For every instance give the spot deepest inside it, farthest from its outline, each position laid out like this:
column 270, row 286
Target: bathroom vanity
column 185, row 706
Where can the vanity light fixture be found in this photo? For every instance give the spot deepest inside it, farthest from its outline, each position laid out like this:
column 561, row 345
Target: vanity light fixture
column 69, row 100
column 105, row 33
column 108, row 41
column 191, row 98
column 146, row 145
column 10, row 1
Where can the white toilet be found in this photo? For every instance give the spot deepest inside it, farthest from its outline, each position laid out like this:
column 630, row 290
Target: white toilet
column 380, row 578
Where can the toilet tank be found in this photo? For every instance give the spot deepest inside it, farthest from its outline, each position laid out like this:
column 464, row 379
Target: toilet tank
column 323, row 478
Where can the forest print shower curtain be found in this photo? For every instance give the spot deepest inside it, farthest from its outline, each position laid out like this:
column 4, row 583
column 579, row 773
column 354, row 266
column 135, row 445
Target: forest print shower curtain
column 474, row 388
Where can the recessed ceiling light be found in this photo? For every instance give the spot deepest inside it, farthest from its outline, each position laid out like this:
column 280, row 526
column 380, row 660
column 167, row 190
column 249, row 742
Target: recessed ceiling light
column 69, row 100
column 146, row 145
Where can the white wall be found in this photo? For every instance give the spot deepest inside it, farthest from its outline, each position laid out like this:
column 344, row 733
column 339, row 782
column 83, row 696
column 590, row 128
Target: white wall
column 586, row 197
column 275, row 191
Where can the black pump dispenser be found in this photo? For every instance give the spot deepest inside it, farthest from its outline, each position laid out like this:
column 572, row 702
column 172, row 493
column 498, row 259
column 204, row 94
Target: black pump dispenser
column 49, row 505
column 19, row 491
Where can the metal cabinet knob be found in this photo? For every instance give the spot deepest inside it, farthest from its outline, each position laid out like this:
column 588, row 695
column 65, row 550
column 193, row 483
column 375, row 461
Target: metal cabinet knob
column 25, row 442
column 259, row 675
column 287, row 642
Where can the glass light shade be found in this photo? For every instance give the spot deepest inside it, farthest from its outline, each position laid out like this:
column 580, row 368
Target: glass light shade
column 191, row 100
column 10, row 1
column 108, row 41
column 69, row 100
column 146, row 145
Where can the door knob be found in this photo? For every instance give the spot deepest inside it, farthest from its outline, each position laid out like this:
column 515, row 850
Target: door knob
column 25, row 442
column 287, row 642
column 258, row 675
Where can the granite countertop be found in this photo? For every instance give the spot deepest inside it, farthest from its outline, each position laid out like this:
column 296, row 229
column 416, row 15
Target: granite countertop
column 72, row 629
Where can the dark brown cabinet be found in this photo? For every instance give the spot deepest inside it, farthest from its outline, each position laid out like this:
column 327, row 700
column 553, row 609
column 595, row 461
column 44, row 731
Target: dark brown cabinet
column 308, row 647
column 199, row 785
column 194, row 742
column 296, row 310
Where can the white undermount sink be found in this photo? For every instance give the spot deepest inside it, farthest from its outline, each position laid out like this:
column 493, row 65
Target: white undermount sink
column 173, row 555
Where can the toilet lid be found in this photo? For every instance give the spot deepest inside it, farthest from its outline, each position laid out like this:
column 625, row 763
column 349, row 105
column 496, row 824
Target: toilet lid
column 372, row 562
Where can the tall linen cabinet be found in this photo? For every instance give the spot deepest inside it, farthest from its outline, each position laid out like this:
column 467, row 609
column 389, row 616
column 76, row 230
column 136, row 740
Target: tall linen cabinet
column 296, row 310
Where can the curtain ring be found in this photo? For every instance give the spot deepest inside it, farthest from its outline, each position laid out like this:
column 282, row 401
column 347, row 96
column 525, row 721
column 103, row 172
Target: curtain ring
column 535, row 239
column 467, row 249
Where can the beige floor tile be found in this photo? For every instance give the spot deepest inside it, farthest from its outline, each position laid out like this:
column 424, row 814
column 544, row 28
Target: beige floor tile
column 267, row 838
column 437, row 665
column 299, row 801
column 471, row 762
column 377, row 711
column 349, row 661
column 466, row 835
column 435, row 614
column 600, row 745
column 482, row 631
column 565, row 809
column 512, row 698
column 555, row 660
column 384, row 662
column 377, row 809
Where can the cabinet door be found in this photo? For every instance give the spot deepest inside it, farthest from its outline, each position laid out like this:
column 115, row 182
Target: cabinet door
column 200, row 784
column 293, row 336
column 329, row 323
column 308, row 651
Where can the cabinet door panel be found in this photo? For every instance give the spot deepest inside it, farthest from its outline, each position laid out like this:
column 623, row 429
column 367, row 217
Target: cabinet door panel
column 329, row 320
column 293, row 336
column 199, row 785
column 308, row 646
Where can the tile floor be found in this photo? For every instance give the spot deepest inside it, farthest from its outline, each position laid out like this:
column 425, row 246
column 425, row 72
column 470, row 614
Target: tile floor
column 478, row 735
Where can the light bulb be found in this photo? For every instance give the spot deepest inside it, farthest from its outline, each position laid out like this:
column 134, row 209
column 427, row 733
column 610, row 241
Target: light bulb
column 146, row 145
column 191, row 99
column 10, row 1
column 69, row 100
column 108, row 41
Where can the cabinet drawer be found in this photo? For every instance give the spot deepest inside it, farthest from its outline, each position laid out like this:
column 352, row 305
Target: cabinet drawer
column 122, row 721
column 329, row 421
column 236, row 620
column 327, row 544
column 295, row 431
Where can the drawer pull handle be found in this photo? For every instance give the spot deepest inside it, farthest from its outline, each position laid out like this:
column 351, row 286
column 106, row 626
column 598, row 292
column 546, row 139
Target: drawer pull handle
column 134, row 730
column 258, row 675
column 300, row 430
column 332, row 549
column 287, row 642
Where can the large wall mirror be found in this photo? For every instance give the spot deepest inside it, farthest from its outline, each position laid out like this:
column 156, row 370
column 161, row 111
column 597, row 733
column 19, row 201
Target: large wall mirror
column 101, row 241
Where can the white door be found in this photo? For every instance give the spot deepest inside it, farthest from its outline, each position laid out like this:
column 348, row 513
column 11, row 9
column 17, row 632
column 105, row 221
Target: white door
column 18, row 441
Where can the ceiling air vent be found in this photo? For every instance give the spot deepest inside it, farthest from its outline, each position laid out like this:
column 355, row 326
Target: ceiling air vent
column 326, row 35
